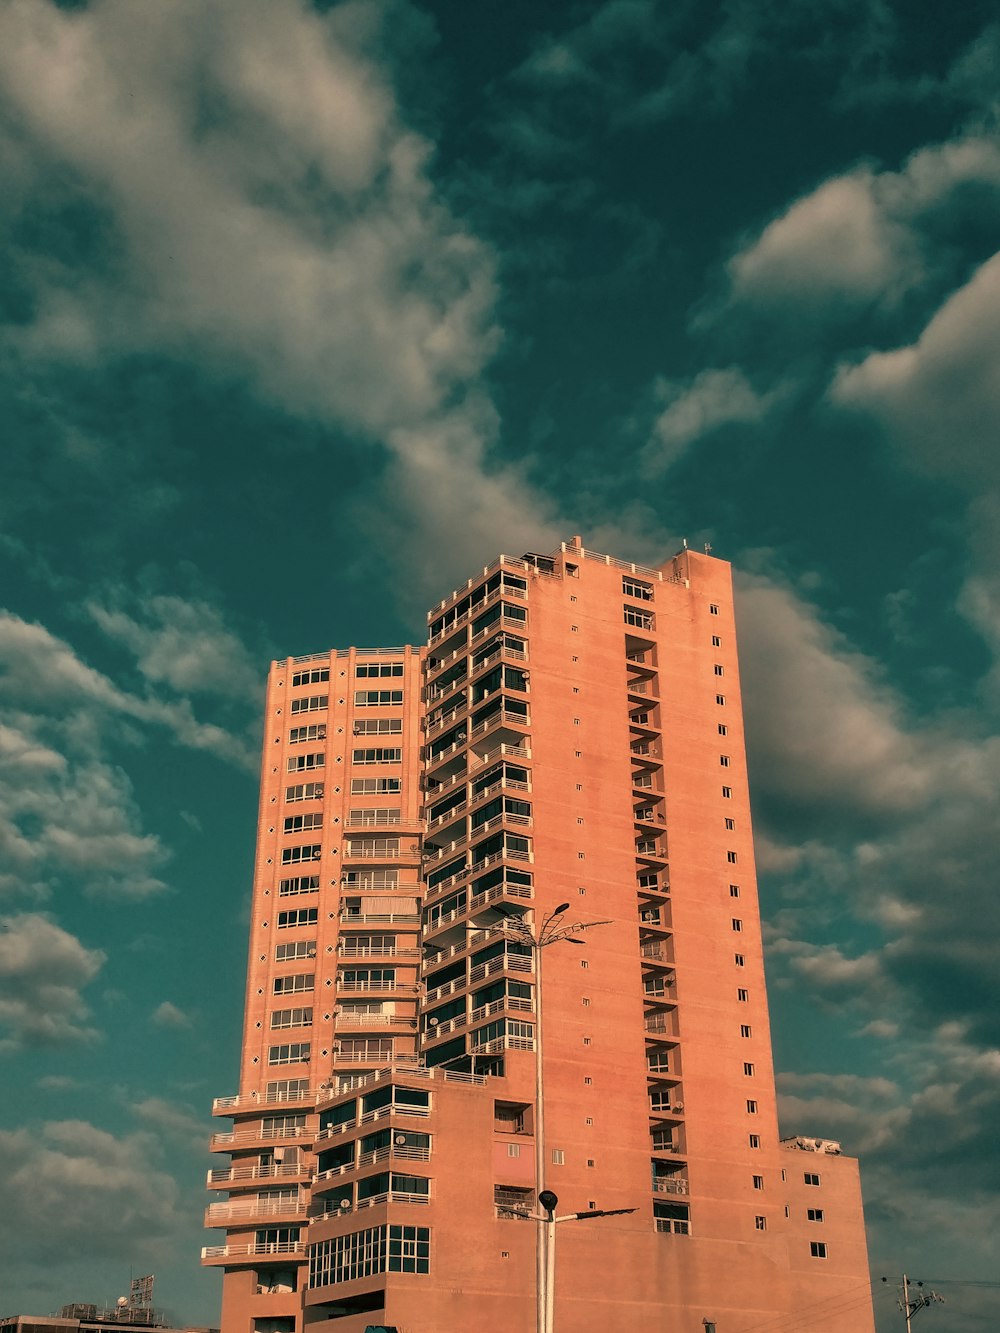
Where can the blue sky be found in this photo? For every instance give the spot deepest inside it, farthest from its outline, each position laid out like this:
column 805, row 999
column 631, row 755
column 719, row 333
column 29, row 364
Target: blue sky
column 307, row 312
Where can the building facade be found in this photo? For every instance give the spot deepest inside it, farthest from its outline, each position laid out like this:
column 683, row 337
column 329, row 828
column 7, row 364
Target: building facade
column 570, row 742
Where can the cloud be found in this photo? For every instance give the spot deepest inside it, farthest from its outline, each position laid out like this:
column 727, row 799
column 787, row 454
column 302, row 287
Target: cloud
column 711, row 400
column 43, row 970
column 867, row 239
column 85, row 1191
column 182, row 643
column 265, row 210
column 167, row 1015
column 938, row 398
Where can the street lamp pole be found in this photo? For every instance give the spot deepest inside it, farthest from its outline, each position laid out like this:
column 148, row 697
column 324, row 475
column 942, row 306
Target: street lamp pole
column 551, row 931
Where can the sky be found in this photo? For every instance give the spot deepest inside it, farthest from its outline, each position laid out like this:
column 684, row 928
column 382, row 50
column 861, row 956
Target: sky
column 307, row 312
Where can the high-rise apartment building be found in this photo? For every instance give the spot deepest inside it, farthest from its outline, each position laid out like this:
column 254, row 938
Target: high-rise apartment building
column 570, row 741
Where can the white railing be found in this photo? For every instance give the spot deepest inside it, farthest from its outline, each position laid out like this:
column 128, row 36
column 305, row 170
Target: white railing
column 508, row 854
column 511, row 962
column 231, row 1212
column 252, row 1099
column 677, row 1225
column 508, row 654
column 510, row 784
column 365, row 918
column 254, row 1135
column 393, row 1196
column 448, row 815
column 505, row 816
column 446, row 988
column 499, row 1044
column 350, row 1020
column 501, row 562
column 498, row 1006
column 499, row 751
column 433, row 1031
column 333, row 1171
column 375, row 951
column 355, row 853
column 500, row 891
column 503, row 622
column 260, row 1250
column 408, row 1152
column 233, row 1174
column 374, row 985
column 371, row 819
column 501, row 717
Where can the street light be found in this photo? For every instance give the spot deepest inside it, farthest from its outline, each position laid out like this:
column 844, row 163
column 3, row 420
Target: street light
column 551, row 931
column 550, row 1202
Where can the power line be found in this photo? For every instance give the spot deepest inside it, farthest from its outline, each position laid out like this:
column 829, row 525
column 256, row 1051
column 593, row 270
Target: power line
column 849, row 1297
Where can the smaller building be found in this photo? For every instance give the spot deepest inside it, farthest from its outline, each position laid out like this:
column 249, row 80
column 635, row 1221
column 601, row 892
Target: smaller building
column 81, row 1317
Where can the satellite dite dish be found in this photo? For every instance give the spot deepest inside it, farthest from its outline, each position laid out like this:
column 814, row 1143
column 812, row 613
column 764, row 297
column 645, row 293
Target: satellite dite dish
column 400, row 1139
column 121, row 1302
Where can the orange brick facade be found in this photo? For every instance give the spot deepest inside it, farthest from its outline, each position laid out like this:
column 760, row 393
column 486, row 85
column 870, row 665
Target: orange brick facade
column 572, row 734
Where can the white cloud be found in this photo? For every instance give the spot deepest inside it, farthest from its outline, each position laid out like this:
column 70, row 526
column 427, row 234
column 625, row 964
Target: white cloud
column 80, row 1189
column 167, row 1015
column 182, row 643
column 43, row 970
column 939, row 398
column 712, row 399
column 273, row 217
column 834, row 243
column 859, row 238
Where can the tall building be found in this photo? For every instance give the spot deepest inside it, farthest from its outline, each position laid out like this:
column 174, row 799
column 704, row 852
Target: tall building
column 567, row 747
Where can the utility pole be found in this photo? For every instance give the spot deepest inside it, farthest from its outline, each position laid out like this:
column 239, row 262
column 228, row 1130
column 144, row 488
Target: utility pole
column 911, row 1304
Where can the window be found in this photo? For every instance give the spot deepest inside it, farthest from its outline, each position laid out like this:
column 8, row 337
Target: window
column 302, row 823
column 287, row 1090
column 727, row 794
column 378, row 726
column 742, row 995
column 316, row 731
column 558, row 1157
column 290, row 1054
column 642, row 592
column 374, row 670
column 730, row 824
column 737, row 924
column 584, row 962
column 732, row 858
column 310, row 851
column 758, row 1182
column 586, row 1041
column 380, row 755
column 720, row 670
column 713, row 610
column 591, row 1161
column 305, row 791
column 585, row 1001
column 814, row 1214
column 734, row 890
column 298, row 763
column 724, row 760
column 739, row 960
column 375, row 786
column 315, row 677
column 640, row 619
column 292, row 1018
column 720, row 699
column 811, row 1178
column 377, row 698
column 760, row 1223
column 287, row 888
column 289, row 953
column 751, row 1107
column 745, row 1030
column 716, row 641
column 302, row 981
column 817, row 1248
column 723, row 729
column 298, row 916
column 754, row 1140
column 513, row 1150
column 748, row 1069
column 310, row 703
column 589, row 1120
column 361, row 1254
column 588, row 1081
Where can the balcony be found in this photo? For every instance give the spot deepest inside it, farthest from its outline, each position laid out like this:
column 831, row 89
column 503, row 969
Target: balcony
column 222, row 1214
column 365, row 1021
column 350, row 920
column 250, row 1177
column 512, row 962
column 243, row 1138
column 506, row 1004
column 272, row 1251
column 503, row 718
column 349, row 951
column 253, row 1101
column 402, row 851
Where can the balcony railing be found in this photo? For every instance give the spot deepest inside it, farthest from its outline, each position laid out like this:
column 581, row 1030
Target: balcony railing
column 248, row 1100
column 218, row 1213
column 510, row 962
column 350, row 918
column 506, row 1002
column 269, row 1250
column 235, row 1174
column 373, row 1020
column 240, row 1136
column 403, row 1151
column 502, row 717
column 499, row 891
